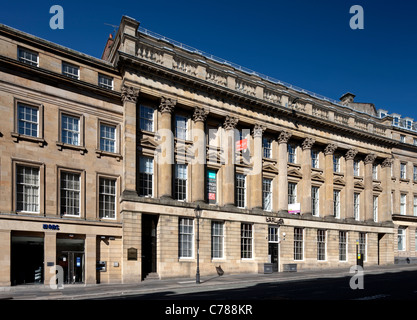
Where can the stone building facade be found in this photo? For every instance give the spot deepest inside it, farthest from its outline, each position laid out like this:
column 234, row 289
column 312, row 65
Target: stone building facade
column 117, row 169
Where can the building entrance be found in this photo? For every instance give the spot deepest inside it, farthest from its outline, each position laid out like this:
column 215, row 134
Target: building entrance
column 273, row 249
column 149, row 240
column 27, row 259
column 70, row 256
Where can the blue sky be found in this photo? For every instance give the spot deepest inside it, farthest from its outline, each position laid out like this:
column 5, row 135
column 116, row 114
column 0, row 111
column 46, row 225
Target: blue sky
column 306, row 43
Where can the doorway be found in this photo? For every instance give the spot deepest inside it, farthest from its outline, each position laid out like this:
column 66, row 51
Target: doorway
column 27, row 259
column 273, row 249
column 149, row 240
column 70, row 256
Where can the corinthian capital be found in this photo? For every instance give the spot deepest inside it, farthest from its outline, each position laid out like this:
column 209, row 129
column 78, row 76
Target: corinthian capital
column 167, row 105
column 200, row 114
column 308, row 143
column 370, row 158
column 387, row 163
column 351, row 154
column 284, row 136
column 330, row 149
column 258, row 130
column 230, row 123
column 129, row 93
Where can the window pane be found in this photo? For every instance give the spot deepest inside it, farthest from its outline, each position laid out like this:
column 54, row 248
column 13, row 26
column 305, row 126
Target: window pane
column 107, row 198
column 240, row 190
column 70, row 131
column 180, row 127
column 27, row 120
column 145, row 180
column 146, row 118
column 27, row 189
column 186, row 238
column 217, row 239
column 246, row 241
column 107, row 138
column 70, row 193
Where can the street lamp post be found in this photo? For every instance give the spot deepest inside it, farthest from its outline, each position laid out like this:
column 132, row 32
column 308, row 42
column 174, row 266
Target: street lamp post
column 197, row 211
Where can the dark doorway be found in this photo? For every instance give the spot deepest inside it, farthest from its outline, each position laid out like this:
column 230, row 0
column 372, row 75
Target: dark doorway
column 27, row 255
column 149, row 224
column 273, row 253
column 381, row 251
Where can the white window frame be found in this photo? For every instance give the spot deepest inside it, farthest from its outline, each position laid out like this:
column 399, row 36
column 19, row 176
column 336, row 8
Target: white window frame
column 292, row 192
column 180, row 176
column 71, row 131
column 71, row 191
column 403, row 203
column 30, row 189
column 356, row 205
column 401, row 238
column 267, row 147
column 103, row 84
column 246, row 241
column 356, row 167
column 108, row 141
column 315, row 162
column 363, row 244
column 144, row 121
column 403, row 170
column 267, row 194
column 336, row 204
column 375, row 207
column 24, row 59
column 292, row 153
column 26, row 121
column 68, row 68
column 240, row 190
column 315, row 201
column 186, row 238
column 146, row 167
column 181, row 132
column 343, row 246
column 336, row 163
column 107, row 196
column 217, row 239
column 321, row 245
column 298, row 244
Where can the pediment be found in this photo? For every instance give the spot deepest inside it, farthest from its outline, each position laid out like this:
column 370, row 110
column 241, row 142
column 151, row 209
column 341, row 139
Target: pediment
column 294, row 173
column 149, row 143
column 359, row 185
column 317, row 177
column 377, row 188
column 270, row 168
column 339, row 181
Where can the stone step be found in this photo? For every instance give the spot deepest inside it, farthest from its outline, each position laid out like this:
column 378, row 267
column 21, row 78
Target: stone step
column 152, row 276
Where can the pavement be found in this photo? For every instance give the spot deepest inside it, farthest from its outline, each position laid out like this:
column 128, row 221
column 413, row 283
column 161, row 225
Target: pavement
column 213, row 282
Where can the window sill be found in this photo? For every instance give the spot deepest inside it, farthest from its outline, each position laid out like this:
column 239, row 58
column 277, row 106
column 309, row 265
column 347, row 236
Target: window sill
column 17, row 136
column 101, row 153
column 62, row 145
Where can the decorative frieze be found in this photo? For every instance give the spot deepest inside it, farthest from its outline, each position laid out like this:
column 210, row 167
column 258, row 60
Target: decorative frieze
column 185, row 66
column 245, row 87
column 216, row 77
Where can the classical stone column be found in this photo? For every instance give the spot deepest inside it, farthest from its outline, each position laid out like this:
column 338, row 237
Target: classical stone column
column 306, row 172
column 349, row 187
column 256, row 176
column 199, row 146
column 369, row 160
column 384, row 201
column 90, row 259
column 129, row 98
column 283, row 138
column 166, row 156
column 229, row 166
column 328, row 177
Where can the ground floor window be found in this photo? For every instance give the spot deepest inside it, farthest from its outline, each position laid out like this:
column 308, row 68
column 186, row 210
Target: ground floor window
column 342, row 245
column 298, row 244
column 217, row 239
column 362, row 244
column 401, row 239
column 186, row 236
column 246, row 240
column 321, row 245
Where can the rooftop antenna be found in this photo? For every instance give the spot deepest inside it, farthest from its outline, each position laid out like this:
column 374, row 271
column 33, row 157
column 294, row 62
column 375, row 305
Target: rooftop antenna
column 114, row 28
